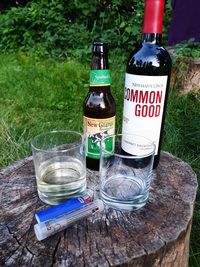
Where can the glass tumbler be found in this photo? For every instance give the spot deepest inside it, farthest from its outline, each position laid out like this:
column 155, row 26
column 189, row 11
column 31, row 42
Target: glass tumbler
column 60, row 165
column 125, row 178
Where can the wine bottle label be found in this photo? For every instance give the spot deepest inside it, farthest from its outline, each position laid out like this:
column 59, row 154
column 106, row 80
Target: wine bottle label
column 95, row 130
column 143, row 107
column 99, row 77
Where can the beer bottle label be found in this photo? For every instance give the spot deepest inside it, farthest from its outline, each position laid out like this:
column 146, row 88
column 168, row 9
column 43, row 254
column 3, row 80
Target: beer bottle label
column 143, row 107
column 99, row 77
column 95, row 130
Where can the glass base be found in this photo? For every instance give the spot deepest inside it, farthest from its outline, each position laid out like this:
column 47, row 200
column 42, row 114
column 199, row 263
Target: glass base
column 125, row 193
column 125, row 206
column 55, row 200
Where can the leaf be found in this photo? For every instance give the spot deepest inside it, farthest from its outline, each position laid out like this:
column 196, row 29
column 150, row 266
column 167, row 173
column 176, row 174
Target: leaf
column 129, row 29
column 122, row 25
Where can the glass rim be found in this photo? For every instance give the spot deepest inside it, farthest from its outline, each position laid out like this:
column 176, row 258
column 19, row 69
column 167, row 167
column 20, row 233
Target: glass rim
column 53, row 132
column 129, row 156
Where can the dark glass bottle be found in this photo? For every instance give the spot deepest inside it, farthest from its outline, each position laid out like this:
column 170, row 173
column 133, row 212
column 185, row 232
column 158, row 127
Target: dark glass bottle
column 99, row 106
column 147, row 80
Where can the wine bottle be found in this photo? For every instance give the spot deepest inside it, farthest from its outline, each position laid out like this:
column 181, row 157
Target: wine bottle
column 147, row 81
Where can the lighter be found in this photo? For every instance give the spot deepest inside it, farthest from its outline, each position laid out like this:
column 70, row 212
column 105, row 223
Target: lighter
column 50, row 227
column 65, row 207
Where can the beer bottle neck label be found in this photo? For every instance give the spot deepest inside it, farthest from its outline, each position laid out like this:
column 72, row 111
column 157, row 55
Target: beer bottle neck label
column 99, row 77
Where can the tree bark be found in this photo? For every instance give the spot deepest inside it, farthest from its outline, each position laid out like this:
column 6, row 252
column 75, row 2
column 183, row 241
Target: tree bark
column 156, row 235
column 185, row 74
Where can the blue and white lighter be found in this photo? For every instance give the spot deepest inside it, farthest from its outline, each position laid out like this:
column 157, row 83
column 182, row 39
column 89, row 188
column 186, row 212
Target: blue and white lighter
column 65, row 207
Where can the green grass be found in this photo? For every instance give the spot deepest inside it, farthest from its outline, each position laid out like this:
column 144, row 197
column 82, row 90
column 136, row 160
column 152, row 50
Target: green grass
column 37, row 95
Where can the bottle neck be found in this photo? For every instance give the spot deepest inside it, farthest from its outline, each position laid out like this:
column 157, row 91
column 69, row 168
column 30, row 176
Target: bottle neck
column 99, row 74
column 99, row 89
column 99, row 61
column 153, row 19
column 154, row 38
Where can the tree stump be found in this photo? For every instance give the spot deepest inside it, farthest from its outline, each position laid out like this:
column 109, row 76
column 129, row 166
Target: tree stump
column 156, row 235
column 186, row 76
column 185, row 73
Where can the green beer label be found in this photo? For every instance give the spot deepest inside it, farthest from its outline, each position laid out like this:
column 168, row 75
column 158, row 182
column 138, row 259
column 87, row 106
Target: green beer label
column 99, row 77
column 96, row 130
column 94, row 148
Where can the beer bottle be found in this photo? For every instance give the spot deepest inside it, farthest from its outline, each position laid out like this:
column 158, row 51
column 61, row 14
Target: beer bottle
column 99, row 106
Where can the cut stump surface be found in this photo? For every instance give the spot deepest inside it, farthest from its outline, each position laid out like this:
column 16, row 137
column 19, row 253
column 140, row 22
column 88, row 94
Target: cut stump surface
column 156, row 235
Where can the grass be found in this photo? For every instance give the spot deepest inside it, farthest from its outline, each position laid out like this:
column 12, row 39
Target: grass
column 37, row 95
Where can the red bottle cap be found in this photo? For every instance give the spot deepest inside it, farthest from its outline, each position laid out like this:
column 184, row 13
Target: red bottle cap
column 153, row 16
